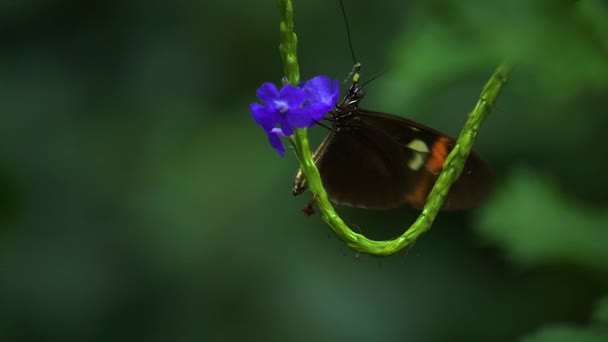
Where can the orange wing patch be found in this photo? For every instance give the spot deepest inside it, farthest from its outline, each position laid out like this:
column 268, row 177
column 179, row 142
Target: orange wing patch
column 439, row 152
column 418, row 196
column 434, row 164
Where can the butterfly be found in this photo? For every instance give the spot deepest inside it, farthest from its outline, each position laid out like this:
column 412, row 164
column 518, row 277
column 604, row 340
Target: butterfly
column 377, row 160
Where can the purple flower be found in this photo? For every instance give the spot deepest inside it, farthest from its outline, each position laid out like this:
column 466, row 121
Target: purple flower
column 293, row 107
column 282, row 108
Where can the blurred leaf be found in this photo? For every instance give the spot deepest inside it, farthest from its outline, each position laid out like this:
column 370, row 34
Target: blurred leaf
column 567, row 334
column 570, row 333
column 535, row 223
column 554, row 42
column 601, row 312
column 596, row 12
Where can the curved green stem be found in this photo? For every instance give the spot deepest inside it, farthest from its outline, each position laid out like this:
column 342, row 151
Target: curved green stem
column 452, row 167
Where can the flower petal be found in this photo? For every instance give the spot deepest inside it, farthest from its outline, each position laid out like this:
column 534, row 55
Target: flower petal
column 294, row 97
column 265, row 116
column 317, row 110
column 275, row 141
column 267, row 92
column 321, row 89
column 299, row 117
column 286, row 127
column 335, row 92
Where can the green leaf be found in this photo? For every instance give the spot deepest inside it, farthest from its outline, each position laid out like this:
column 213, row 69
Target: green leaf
column 536, row 223
column 601, row 312
column 567, row 334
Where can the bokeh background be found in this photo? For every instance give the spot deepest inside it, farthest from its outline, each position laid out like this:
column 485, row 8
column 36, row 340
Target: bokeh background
column 140, row 202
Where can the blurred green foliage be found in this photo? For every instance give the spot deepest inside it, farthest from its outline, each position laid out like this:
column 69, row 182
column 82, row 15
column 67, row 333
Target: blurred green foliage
column 139, row 201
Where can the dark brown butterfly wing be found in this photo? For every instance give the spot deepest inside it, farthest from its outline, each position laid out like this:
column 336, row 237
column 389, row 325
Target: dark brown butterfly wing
column 472, row 185
column 363, row 167
column 382, row 161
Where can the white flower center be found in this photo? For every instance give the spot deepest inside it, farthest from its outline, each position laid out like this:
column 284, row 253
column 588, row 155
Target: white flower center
column 283, row 108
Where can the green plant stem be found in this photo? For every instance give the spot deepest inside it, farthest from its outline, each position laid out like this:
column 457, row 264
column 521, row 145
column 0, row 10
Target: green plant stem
column 452, row 167
column 289, row 43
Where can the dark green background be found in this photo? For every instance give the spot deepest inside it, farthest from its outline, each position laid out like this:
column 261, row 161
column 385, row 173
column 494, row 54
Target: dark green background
column 140, row 202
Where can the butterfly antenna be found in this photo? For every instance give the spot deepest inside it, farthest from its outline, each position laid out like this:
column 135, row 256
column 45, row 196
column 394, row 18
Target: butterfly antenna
column 350, row 41
column 374, row 78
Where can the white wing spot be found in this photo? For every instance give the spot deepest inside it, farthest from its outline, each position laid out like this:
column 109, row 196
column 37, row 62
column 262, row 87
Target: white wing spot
column 416, row 162
column 418, row 145
column 419, row 154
